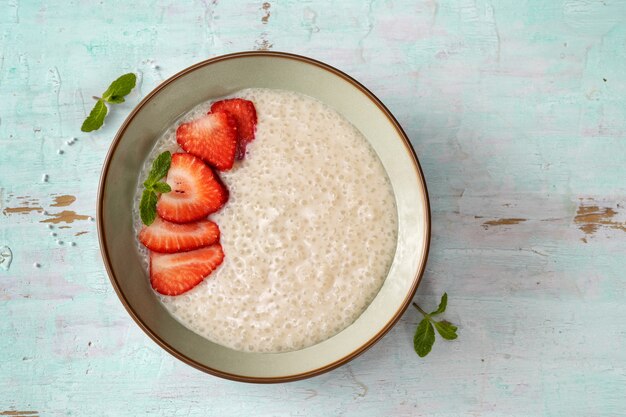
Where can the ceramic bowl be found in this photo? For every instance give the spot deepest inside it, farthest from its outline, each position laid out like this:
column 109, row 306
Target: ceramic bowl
column 218, row 77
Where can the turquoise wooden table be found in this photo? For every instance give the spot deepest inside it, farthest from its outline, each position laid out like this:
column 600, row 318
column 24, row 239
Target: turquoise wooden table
column 517, row 111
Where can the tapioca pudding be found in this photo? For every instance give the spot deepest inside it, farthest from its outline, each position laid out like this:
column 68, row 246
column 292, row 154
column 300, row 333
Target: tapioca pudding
column 308, row 233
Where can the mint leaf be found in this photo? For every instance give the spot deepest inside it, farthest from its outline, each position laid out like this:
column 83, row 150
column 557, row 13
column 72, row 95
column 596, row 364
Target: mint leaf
column 425, row 333
column 159, row 169
column 119, row 88
column 95, row 120
column 424, row 338
column 442, row 305
column 114, row 94
column 446, row 329
column 147, row 207
column 162, row 187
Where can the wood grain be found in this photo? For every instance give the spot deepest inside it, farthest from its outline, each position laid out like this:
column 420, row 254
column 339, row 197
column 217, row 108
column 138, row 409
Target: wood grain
column 517, row 111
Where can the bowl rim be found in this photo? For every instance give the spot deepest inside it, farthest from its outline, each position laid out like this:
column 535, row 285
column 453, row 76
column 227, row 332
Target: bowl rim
column 163, row 343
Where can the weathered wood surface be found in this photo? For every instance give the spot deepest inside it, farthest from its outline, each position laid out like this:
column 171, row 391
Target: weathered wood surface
column 517, row 111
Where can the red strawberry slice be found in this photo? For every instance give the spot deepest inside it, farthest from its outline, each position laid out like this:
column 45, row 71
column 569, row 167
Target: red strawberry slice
column 165, row 237
column 212, row 137
column 244, row 113
column 176, row 273
column 196, row 190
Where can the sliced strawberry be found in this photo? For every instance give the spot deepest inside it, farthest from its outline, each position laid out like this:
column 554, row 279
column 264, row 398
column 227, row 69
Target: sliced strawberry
column 196, row 190
column 176, row 273
column 244, row 113
column 165, row 237
column 212, row 138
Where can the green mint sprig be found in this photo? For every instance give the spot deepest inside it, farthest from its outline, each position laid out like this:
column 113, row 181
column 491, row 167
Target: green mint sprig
column 425, row 333
column 115, row 95
column 147, row 205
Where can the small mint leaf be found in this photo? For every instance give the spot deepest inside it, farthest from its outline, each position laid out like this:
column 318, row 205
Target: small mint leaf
column 95, row 120
column 147, row 207
column 162, row 187
column 119, row 88
column 424, row 338
column 446, row 329
column 442, row 305
column 159, row 169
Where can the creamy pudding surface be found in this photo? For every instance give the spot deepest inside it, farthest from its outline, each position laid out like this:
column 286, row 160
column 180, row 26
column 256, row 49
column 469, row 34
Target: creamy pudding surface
column 309, row 231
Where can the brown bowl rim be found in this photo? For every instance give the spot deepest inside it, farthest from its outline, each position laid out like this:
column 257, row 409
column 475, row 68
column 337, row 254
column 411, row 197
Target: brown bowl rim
column 161, row 342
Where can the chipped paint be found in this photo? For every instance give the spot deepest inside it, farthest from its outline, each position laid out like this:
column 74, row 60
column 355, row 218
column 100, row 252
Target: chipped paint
column 263, row 45
column 6, row 256
column 503, row 222
column 66, row 216
column 266, row 16
column 590, row 218
column 19, row 413
column 81, row 233
column 63, row 201
column 28, row 204
column 20, row 210
column 25, row 205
